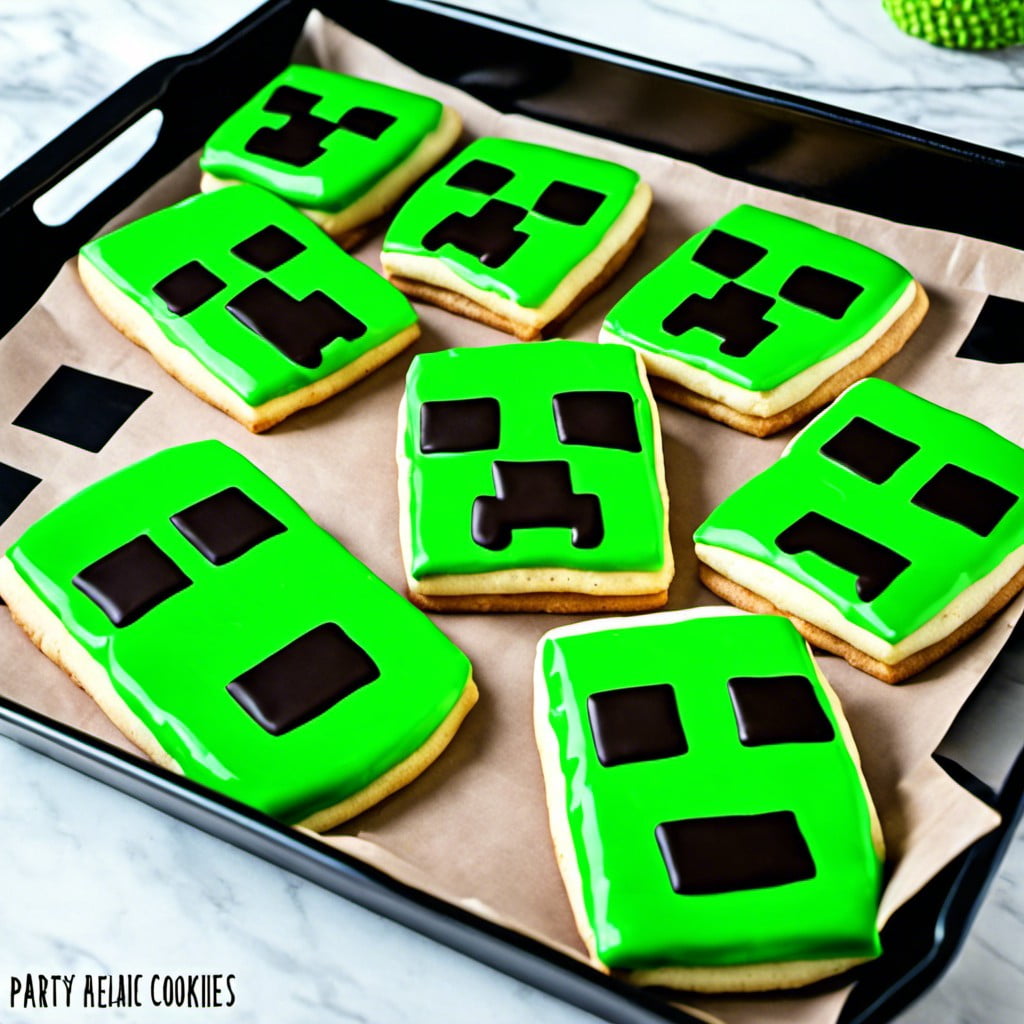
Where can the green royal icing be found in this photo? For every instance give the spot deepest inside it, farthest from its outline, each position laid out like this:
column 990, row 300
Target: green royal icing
column 553, row 247
column 638, row 920
column 524, row 379
column 352, row 163
column 172, row 666
column 945, row 557
column 205, row 228
column 802, row 338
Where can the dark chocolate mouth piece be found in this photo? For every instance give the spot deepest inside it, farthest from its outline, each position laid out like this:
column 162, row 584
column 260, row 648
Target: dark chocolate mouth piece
column 535, row 494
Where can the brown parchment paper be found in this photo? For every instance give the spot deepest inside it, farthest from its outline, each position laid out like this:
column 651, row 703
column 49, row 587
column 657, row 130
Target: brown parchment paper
column 473, row 829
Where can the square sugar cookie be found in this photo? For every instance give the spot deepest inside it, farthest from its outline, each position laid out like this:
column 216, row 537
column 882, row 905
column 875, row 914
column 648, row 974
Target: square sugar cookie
column 247, row 303
column 531, row 479
column 234, row 640
column 341, row 149
column 515, row 234
column 760, row 319
column 890, row 530
column 710, row 819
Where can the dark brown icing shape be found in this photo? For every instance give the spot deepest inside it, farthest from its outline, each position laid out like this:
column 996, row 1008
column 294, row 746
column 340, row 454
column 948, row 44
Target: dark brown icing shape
column 131, row 581
column 603, row 419
column 728, row 255
column 481, row 176
column 821, row 292
column 735, row 314
column 298, row 328
column 490, row 234
column 187, row 288
column 570, row 204
column 638, row 723
column 778, row 709
column 734, row 853
column 460, row 425
column 965, row 498
column 874, row 565
column 226, row 525
column 869, row 450
column 533, row 494
column 268, row 249
column 302, row 680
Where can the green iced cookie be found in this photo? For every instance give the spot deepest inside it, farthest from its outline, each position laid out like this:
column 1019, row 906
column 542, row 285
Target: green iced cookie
column 261, row 299
column 882, row 513
column 704, row 800
column 520, row 458
column 258, row 654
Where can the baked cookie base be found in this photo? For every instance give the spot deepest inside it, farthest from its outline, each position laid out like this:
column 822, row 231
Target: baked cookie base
column 559, row 603
column 355, row 223
column 139, row 327
column 463, row 305
column 735, row 593
column 764, row 977
column 49, row 634
column 764, row 426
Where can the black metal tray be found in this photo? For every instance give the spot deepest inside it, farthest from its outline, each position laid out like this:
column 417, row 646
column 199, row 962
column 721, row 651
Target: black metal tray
column 753, row 134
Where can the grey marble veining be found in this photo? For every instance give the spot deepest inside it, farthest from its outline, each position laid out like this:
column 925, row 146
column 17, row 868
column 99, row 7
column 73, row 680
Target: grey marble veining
column 96, row 882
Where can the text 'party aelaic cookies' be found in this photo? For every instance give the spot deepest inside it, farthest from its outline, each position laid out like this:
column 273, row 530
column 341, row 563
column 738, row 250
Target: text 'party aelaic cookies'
column 234, row 640
column 531, row 478
column 247, row 303
column 760, row 319
column 516, row 235
column 341, row 149
column 890, row 531
column 712, row 826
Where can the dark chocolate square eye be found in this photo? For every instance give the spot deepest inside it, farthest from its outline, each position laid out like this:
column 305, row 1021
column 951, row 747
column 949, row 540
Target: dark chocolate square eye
column 821, row 292
column 638, row 723
column 304, row 679
column 371, row 124
column 460, row 425
column 869, row 450
column 728, row 255
column 603, row 419
column 268, row 249
column 481, row 176
column 187, row 288
column 131, row 581
column 226, row 525
column 965, row 498
column 734, row 853
column 570, row 204
column 778, row 709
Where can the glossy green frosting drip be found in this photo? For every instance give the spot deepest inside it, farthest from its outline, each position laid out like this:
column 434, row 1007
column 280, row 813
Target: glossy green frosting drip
column 945, row 557
column 802, row 337
column 552, row 249
column 352, row 163
column 524, row 379
column 172, row 666
column 637, row 918
column 205, row 228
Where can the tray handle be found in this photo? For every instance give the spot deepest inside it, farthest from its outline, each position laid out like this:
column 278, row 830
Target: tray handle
column 193, row 98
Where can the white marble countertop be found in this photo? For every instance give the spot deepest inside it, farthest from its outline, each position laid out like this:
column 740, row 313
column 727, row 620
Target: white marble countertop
column 98, row 883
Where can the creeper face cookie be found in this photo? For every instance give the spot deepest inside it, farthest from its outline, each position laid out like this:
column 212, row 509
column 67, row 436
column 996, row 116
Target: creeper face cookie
column 712, row 826
column 890, row 530
column 341, row 149
column 234, row 640
column 531, row 478
column 516, row 235
column 760, row 319
column 247, row 303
